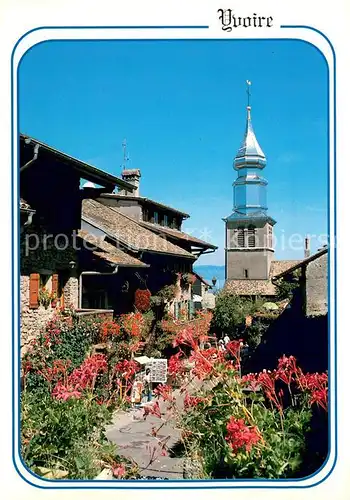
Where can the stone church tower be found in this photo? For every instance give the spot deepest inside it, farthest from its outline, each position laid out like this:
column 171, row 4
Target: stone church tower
column 249, row 229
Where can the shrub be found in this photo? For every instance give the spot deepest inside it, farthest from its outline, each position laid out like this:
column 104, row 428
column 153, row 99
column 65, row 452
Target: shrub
column 52, row 430
column 68, row 394
column 285, row 286
column 230, row 313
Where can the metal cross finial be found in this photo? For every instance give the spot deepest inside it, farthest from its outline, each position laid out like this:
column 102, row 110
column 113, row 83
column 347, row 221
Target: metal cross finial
column 248, row 91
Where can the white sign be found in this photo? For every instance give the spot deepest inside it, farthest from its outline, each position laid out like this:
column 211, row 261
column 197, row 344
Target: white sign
column 159, row 371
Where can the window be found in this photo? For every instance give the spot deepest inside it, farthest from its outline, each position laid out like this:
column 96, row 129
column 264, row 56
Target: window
column 240, row 237
column 44, row 289
column 145, row 215
column 246, row 274
column 251, row 236
column 165, row 220
column 270, row 237
column 155, row 218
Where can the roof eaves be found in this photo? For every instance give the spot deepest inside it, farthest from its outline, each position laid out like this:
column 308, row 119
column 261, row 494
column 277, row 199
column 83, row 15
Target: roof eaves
column 88, row 172
column 127, row 245
column 144, row 200
column 197, row 244
column 301, row 263
column 166, row 207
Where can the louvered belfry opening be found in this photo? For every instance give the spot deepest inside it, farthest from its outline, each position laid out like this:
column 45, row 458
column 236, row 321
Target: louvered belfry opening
column 251, row 236
column 240, row 237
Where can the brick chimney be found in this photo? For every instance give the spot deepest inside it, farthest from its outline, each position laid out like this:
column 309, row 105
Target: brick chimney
column 307, row 248
column 132, row 176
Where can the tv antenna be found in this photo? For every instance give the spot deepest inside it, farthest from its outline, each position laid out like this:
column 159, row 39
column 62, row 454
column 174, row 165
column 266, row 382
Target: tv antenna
column 125, row 155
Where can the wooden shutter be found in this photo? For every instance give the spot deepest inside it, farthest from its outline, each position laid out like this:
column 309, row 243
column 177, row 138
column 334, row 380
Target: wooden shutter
column 34, row 281
column 54, row 289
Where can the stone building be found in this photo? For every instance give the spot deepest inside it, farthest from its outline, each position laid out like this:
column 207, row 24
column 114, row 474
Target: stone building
column 150, row 231
column 88, row 240
column 302, row 328
column 202, row 294
column 249, row 243
column 168, row 260
column 312, row 296
column 157, row 217
column 51, row 252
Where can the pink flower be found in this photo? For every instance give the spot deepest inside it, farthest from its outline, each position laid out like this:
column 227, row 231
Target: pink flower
column 165, row 392
column 119, row 471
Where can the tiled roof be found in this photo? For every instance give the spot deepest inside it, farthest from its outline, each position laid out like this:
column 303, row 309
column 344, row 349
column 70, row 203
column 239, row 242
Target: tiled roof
column 259, row 287
column 281, row 266
column 144, row 200
column 249, row 287
column 297, row 264
column 200, row 278
column 127, row 230
column 175, row 233
column 109, row 252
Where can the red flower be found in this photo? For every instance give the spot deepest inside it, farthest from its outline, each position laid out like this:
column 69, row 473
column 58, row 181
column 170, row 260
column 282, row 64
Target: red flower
column 65, row 392
column 132, row 324
column 233, row 348
column 251, row 380
column 175, row 364
column 109, row 329
column 316, row 384
column 192, row 401
column 165, row 392
column 267, row 382
column 81, row 378
column 320, row 397
column 286, row 369
column 126, row 368
column 240, row 436
column 204, row 361
column 142, row 300
column 152, row 409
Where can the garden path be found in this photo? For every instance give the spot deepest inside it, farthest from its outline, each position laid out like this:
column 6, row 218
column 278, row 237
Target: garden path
column 133, row 436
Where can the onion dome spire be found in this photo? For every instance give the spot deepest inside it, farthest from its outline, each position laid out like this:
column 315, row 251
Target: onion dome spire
column 250, row 153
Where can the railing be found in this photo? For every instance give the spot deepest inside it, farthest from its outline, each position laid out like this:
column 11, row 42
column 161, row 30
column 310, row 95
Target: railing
column 95, row 313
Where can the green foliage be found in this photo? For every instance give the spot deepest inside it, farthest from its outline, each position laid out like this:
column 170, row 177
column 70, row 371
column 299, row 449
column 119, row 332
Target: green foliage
column 230, row 313
column 286, row 286
column 66, row 436
column 168, row 292
column 277, row 455
column 75, row 340
column 54, row 431
column 255, row 332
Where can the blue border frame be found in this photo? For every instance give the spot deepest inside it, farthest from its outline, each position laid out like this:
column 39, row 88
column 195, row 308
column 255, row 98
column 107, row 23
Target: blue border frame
column 16, row 393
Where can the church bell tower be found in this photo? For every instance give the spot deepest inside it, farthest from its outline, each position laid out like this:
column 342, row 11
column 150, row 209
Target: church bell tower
column 249, row 229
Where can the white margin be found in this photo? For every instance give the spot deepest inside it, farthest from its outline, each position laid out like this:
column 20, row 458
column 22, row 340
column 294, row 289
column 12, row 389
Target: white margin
column 310, row 36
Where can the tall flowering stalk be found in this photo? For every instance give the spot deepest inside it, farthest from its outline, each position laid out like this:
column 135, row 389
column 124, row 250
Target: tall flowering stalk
column 246, row 422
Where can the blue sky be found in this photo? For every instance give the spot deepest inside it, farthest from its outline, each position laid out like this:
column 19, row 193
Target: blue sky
column 181, row 106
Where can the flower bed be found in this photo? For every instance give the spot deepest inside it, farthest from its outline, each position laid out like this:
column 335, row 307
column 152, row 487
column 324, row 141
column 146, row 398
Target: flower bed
column 70, row 390
column 255, row 426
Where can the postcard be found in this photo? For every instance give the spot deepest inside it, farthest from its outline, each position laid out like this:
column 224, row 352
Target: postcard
column 172, row 311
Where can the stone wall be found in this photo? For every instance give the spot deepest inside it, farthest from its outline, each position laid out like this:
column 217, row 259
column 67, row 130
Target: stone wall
column 317, row 287
column 32, row 320
column 71, row 291
column 256, row 261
